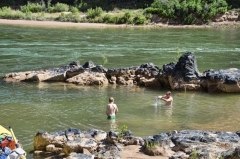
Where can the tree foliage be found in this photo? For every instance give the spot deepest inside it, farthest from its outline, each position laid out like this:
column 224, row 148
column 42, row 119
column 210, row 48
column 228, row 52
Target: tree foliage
column 188, row 11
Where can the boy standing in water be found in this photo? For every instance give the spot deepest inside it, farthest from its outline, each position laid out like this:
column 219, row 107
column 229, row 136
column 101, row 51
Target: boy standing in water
column 167, row 98
column 111, row 109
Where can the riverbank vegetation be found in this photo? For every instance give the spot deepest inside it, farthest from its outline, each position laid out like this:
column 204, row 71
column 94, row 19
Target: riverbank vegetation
column 116, row 11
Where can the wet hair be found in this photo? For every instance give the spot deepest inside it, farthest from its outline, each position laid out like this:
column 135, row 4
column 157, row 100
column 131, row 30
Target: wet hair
column 111, row 99
column 168, row 92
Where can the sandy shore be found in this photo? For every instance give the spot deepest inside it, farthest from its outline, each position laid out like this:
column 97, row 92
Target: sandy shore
column 55, row 24
column 100, row 25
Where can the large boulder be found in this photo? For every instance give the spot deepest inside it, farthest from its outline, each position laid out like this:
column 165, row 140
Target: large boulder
column 67, row 141
column 43, row 139
column 146, row 75
column 221, row 80
column 53, row 74
column 79, row 144
column 204, row 144
column 182, row 76
column 122, row 76
column 89, row 78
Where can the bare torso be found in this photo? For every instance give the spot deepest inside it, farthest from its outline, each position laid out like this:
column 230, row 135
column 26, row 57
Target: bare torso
column 111, row 109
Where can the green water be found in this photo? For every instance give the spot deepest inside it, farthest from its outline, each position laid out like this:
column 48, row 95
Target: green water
column 30, row 107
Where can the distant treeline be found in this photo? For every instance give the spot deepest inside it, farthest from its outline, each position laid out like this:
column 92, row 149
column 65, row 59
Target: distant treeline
column 110, row 4
column 137, row 12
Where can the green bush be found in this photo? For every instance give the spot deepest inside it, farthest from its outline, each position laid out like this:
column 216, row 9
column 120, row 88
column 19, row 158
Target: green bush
column 127, row 18
column 116, row 19
column 32, row 7
column 107, row 18
column 5, row 12
column 68, row 18
column 18, row 15
column 188, row 11
column 60, row 7
column 139, row 19
column 189, row 19
column 74, row 10
column 92, row 13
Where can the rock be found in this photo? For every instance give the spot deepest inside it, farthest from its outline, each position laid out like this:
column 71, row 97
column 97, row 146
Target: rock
column 207, row 143
column 112, row 152
column 88, row 64
column 99, row 68
column 43, row 139
column 74, row 64
column 182, row 76
column 123, row 76
column 74, row 155
column 18, row 77
column 238, row 133
column 156, row 151
column 161, row 139
column 179, row 155
column 88, row 79
column 175, row 145
column 146, row 75
column 54, row 74
column 232, row 153
column 78, row 145
column 222, row 80
column 98, row 135
column 53, row 149
column 73, row 72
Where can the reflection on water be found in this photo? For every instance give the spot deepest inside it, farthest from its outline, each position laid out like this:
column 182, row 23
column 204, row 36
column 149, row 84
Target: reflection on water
column 162, row 109
column 112, row 125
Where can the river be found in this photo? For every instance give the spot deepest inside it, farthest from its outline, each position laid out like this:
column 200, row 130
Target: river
column 31, row 107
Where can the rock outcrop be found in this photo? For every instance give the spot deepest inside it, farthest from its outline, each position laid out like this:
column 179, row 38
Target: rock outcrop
column 182, row 76
column 74, row 143
column 221, row 80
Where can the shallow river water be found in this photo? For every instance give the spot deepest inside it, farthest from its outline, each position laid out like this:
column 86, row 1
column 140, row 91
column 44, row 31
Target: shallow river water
column 30, row 107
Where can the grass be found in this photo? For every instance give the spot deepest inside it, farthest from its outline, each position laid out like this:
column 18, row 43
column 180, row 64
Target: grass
column 194, row 155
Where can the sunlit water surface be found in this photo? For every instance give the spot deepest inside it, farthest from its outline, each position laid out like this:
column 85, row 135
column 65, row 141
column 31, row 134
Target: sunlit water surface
column 30, row 107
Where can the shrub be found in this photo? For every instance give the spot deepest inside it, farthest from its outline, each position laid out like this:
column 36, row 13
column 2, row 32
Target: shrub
column 50, row 9
column 139, row 19
column 121, row 132
column 189, row 19
column 4, row 13
column 60, row 7
column 188, row 11
column 32, row 7
column 92, row 13
column 19, row 15
column 127, row 16
column 116, row 19
column 107, row 18
column 74, row 10
column 69, row 18
column 104, row 59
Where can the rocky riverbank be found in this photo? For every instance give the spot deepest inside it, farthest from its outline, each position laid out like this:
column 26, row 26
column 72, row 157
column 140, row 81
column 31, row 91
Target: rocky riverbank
column 95, row 144
column 182, row 76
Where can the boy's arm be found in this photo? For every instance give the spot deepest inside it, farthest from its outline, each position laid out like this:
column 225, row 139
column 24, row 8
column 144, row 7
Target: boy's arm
column 116, row 110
